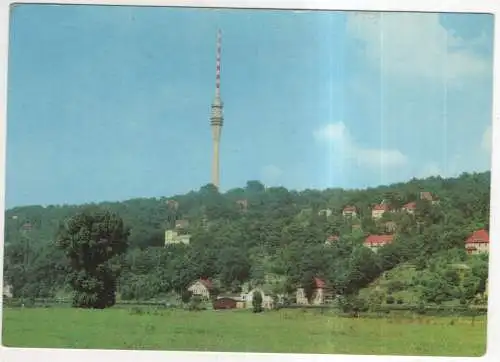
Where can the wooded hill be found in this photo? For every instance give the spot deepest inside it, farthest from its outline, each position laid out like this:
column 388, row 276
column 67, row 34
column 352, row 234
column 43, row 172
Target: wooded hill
column 275, row 238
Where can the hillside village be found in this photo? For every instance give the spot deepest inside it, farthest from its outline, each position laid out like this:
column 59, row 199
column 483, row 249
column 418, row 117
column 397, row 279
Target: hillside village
column 302, row 248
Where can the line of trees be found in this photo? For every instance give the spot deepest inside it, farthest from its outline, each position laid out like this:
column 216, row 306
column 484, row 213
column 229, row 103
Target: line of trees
column 278, row 241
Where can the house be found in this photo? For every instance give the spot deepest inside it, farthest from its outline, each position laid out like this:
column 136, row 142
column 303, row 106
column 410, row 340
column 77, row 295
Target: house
column 349, row 211
column 201, row 287
column 478, row 242
column 225, row 303
column 7, row 290
column 376, row 241
column 410, row 207
column 267, row 300
column 325, row 212
column 175, row 237
column 390, row 226
column 331, row 239
column 172, row 204
column 379, row 210
column 243, row 204
column 427, row 196
column 181, row 224
column 318, row 296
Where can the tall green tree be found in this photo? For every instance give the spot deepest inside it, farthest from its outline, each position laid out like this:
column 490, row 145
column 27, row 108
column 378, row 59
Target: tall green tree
column 91, row 240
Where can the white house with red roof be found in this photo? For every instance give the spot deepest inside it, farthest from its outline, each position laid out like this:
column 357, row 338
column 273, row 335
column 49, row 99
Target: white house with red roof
column 410, row 207
column 379, row 210
column 318, row 296
column 349, row 211
column 201, row 287
column 478, row 242
column 376, row 241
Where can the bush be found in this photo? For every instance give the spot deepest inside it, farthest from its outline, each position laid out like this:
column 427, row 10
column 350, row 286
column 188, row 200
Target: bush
column 186, row 296
column 136, row 311
column 421, row 308
column 195, row 303
column 257, row 302
column 400, row 300
column 395, row 286
column 390, row 299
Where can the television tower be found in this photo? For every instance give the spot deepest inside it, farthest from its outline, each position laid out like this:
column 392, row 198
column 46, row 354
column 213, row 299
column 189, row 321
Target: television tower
column 216, row 119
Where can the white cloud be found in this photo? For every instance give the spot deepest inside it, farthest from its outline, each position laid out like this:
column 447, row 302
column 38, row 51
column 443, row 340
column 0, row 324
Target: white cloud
column 339, row 137
column 415, row 45
column 270, row 175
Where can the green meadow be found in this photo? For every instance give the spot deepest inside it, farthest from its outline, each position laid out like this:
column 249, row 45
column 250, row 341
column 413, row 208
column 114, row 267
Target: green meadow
column 282, row 331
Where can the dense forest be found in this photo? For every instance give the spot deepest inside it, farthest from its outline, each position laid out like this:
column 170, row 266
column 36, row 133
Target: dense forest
column 272, row 237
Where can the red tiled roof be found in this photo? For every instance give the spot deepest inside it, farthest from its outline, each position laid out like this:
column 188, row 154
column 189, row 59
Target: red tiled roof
column 379, row 239
column 384, row 207
column 320, row 284
column 350, row 208
column 478, row 236
column 207, row 283
column 410, row 206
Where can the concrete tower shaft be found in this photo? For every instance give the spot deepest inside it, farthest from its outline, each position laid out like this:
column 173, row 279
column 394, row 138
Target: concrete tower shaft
column 217, row 119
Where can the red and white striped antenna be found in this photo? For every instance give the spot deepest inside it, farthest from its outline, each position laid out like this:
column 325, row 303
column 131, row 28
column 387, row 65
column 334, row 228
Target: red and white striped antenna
column 217, row 72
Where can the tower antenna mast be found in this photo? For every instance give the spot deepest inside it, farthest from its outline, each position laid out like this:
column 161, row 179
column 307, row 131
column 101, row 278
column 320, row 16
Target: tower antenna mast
column 217, row 119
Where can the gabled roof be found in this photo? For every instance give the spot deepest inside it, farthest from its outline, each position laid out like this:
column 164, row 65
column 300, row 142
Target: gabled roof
column 206, row 282
column 381, row 207
column 410, row 206
column 320, row 284
column 379, row 239
column 350, row 208
column 478, row 236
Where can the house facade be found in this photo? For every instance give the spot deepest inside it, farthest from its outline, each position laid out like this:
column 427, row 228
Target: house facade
column 478, row 242
column 201, row 287
column 172, row 204
column 325, row 212
column 267, row 300
column 7, row 290
column 242, row 204
column 331, row 239
column 174, row 237
column 349, row 211
column 390, row 226
column 318, row 296
column 379, row 210
column 409, row 207
column 427, row 196
column 374, row 242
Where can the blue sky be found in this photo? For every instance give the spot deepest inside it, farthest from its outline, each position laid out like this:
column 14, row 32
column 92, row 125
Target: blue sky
column 111, row 103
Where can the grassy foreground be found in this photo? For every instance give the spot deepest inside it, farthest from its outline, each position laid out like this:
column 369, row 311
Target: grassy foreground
column 284, row 331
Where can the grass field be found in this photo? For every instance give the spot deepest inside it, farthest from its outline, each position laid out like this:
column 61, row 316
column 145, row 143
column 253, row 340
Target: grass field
column 284, row 331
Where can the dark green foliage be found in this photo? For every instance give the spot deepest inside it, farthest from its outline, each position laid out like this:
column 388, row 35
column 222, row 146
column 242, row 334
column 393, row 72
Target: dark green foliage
column 257, row 302
column 195, row 304
column 279, row 235
column 91, row 240
column 186, row 296
column 390, row 299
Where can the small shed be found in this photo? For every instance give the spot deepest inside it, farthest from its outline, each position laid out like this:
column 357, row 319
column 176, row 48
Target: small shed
column 225, row 303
